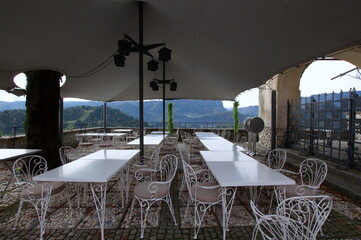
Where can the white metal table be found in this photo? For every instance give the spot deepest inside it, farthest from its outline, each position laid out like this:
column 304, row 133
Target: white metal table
column 102, row 134
column 237, row 170
column 159, row 132
column 149, row 140
column 121, row 130
column 226, row 156
column 11, row 153
column 96, row 171
column 214, row 142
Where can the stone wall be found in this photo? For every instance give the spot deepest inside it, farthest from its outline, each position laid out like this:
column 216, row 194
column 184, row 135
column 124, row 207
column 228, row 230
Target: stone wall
column 265, row 137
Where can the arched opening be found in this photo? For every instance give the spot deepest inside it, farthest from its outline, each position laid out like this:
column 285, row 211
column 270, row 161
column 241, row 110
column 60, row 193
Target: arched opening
column 327, row 76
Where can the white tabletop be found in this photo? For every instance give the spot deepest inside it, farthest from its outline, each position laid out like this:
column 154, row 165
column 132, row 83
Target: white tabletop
column 123, row 130
column 9, row 153
column 214, row 142
column 110, row 154
column 240, row 174
column 159, row 132
column 102, row 134
column 223, row 155
column 149, row 140
column 96, row 170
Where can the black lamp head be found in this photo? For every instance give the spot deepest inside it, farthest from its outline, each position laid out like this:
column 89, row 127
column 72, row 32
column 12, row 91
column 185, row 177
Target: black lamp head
column 173, row 86
column 152, row 65
column 124, row 47
column 165, row 54
column 153, row 84
column 119, row 60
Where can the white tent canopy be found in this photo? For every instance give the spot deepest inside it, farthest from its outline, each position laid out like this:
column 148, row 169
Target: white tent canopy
column 219, row 48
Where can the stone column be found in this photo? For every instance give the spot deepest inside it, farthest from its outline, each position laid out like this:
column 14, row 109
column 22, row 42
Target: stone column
column 42, row 114
column 287, row 87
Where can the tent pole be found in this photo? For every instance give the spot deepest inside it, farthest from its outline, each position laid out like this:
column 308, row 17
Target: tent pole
column 141, row 94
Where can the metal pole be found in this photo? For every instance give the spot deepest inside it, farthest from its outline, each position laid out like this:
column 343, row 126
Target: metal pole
column 105, row 116
column 14, row 137
column 163, row 97
column 61, row 120
column 288, row 123
column 141, row 94
column 273, row 121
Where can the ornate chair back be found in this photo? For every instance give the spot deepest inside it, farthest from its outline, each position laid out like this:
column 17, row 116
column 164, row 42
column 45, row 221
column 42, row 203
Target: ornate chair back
column 313, row 172
column 311, row 212
column 276, row 158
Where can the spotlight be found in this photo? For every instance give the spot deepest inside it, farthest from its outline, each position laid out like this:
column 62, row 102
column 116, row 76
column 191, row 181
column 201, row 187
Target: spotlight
column 153, row 84
column 124, row 47
column 164, row 54
column 152, row 65
column 173, row 86
column 119, row 60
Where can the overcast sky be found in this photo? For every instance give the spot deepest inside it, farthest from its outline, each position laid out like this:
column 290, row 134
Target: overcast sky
column 316, row 79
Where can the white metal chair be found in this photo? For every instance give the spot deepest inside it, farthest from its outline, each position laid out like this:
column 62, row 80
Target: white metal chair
column 276, row 159
column 67, row 154
column 146, row 162
column 204, row 193
column 158, row 189
column 312, row 173
column 37, row 194
column 195, row 163
column 169, row 144
column 299, row 217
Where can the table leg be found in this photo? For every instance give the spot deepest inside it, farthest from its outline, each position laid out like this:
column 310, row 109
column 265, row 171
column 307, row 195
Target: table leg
column 228, row 193
column 99, row 191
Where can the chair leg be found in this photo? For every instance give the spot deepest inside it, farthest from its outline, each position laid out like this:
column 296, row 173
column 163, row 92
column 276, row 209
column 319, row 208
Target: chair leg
column 171, row 209
column 181, row 187
column 18, row 214
column 143, row 216
column 187, row 208
column 131, row 208
column 67, row 195
column 42, row 215
column 199, row 216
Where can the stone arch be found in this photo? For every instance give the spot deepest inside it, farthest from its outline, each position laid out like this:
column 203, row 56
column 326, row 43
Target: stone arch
column 286, row 86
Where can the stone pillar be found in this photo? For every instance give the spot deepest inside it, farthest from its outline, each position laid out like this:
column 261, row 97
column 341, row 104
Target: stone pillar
column 42, row 114
column 287, row 87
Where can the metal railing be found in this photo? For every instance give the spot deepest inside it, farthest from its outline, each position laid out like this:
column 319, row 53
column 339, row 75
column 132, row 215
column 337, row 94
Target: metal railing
column 327, row 125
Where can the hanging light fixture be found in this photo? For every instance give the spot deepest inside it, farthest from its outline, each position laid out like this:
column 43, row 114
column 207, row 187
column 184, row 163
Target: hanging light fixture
column 152, row 65
column 153, row 84
column 119, row 60
column 124, row 47
column 165, row 54
column 173, row 86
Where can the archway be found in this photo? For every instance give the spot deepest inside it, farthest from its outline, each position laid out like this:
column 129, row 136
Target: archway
column 287, row 87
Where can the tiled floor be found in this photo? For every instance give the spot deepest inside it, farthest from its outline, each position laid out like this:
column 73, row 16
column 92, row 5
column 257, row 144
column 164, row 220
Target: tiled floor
column 82, row 223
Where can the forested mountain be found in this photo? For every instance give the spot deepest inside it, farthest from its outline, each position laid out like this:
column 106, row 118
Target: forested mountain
column 90, row 114
column 10, row 119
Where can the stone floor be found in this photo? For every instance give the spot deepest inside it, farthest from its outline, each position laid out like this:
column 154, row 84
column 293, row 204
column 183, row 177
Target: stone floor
column 82, row 223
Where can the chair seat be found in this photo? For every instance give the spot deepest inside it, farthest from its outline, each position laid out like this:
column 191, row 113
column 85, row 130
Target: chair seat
column 141, row 190
column 35, row 192
column 206, row 195
column 290, row 191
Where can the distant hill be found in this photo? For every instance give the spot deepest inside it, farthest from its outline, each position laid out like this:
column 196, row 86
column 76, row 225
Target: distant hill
column 249, row 111
column 90, row 113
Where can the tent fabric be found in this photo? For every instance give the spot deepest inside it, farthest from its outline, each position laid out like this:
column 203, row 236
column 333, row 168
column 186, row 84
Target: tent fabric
column 219, row 48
